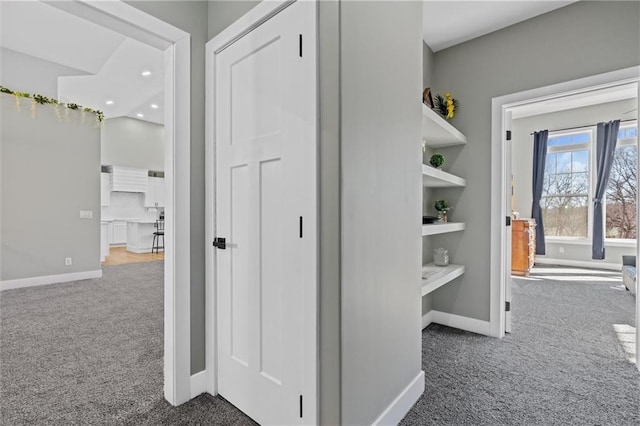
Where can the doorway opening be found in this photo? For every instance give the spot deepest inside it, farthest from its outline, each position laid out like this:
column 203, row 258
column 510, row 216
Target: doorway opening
column 503, row 110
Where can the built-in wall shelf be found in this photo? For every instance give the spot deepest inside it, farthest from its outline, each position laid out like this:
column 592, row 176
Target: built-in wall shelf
column 442, row 228
column 437, row 132
column 436, row 178
column 434, row 276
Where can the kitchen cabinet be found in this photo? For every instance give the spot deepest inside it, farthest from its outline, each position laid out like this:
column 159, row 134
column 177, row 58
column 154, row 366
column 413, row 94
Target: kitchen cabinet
column 119, row 236
column 105, row 189
column 154, row 196
column 140, row 236
column 129, row 179
column 523, row 246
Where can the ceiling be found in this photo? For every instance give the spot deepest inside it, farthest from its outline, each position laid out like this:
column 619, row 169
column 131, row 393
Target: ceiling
column 447, row 23
column 109, row 66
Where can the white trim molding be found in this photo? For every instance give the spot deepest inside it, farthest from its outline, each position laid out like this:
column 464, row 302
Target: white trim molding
column 463, row 323
column 199, row 383
column 402, row 403
column 427, row 319
column 592, row 264
column 49, row 279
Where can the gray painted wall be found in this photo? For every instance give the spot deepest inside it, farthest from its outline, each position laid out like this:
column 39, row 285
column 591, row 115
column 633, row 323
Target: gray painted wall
column 380, row 203
column 223, row 13
column 523, row 163
column 26, row 73
column 330, row 230
column 132, row 143
column 191, row 16
column 566, row 44
column 50, row 170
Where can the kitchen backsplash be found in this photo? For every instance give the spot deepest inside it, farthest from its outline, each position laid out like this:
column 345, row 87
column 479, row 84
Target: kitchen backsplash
column 128, row 205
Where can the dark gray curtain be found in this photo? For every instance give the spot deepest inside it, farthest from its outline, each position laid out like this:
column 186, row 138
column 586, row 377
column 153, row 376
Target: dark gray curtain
column 539, row 161
column 606, row 139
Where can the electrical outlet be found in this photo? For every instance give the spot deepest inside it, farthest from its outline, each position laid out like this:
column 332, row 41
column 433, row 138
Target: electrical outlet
column 561, row 249
column 67, row 261
column 86, row 214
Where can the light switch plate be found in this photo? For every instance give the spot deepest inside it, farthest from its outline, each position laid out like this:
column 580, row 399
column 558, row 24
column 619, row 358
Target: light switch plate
column 86, row 214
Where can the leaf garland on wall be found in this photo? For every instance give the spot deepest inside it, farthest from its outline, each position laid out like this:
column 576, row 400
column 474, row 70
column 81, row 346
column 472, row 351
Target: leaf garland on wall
column 59, row 107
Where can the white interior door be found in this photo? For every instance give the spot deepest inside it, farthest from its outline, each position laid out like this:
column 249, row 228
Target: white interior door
column 508, row 154
column 266, row 277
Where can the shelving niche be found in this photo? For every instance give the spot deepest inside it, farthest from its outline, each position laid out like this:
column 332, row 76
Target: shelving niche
column 438, row 133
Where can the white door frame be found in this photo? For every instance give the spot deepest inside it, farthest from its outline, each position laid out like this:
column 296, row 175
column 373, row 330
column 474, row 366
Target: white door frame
column 252, row 19
column 131, row 22
column 499, row 264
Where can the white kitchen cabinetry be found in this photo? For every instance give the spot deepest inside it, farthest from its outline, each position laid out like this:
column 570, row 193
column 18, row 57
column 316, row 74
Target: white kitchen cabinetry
column 438, row 133
column 140, row 236
column 105, row 189
column 129, row 179
column 154, row 196
column 119, row 236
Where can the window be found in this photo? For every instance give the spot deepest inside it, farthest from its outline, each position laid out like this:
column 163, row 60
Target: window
column 622, row 186
column 569, row 185
column 565, row 194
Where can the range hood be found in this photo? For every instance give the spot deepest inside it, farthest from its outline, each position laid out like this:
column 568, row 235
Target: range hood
column 129, row 179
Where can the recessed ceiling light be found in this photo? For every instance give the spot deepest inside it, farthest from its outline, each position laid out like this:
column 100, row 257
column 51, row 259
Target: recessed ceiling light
column 146, row 73
column 109, row 102
column 140, row 114
column 154, row 106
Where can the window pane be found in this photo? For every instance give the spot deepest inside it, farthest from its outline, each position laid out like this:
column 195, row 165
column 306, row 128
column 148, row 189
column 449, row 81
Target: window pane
column 580, row 161
column 565, row 140
column 621, row 194
column 564, row 162
column 565, row 216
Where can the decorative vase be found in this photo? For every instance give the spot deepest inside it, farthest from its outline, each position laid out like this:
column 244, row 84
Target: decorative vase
column 441, row 257
column 442, row 214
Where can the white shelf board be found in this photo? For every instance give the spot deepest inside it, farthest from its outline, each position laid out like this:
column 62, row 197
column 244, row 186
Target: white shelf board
column 435, row 178
column 437, row 133
column 434, row 276
column 442, row 228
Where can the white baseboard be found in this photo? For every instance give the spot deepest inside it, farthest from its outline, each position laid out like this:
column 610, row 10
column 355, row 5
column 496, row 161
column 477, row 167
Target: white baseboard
column 591, row 264
column 403, row 402
column 456, row 321
column 427, row 319
column 49, row 279
column 198, row 383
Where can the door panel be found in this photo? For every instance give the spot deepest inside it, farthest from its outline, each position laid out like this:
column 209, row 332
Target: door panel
column 266, row 207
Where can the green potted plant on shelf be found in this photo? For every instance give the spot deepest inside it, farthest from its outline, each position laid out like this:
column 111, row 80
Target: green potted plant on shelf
column 442, row 206
column 437, row 160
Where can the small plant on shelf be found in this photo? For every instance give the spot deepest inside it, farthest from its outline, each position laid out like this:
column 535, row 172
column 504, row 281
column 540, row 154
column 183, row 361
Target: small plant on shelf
column 442, row 206
column 437, row 161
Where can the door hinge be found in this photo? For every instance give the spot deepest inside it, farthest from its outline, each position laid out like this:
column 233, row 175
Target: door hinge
column 508, row 135
column 508, row 222
column 300, row 406
column 220, row 243
column 300, row 44
column 507, row 306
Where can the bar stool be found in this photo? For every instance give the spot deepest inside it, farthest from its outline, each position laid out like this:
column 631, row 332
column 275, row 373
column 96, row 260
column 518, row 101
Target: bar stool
column 159, row 232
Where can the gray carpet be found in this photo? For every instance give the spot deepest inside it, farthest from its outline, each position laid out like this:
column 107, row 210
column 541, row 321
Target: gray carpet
column 90, row 353
column 561, row 365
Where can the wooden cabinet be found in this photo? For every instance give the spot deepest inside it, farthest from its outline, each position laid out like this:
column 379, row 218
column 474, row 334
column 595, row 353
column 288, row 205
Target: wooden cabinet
column 523, row 246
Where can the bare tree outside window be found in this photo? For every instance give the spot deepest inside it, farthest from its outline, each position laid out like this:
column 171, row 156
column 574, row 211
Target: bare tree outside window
column 621, row 194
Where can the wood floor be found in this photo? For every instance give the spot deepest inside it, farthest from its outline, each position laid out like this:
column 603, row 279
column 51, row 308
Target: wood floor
column 120, row 256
